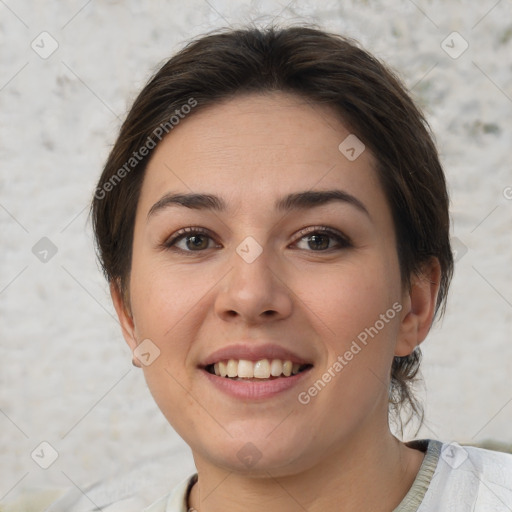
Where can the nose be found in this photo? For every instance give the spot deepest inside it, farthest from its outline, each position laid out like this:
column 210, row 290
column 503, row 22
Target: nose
column 254, row 291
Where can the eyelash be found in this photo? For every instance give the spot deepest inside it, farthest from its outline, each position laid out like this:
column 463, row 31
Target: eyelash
column 343, row 241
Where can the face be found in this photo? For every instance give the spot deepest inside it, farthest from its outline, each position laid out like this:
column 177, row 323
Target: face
column 289, row 265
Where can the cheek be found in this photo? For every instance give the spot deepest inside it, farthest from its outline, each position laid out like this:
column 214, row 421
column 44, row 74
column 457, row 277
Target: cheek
column 350, row 298
column 164, row 305
column 358, row 316
column 162, row 295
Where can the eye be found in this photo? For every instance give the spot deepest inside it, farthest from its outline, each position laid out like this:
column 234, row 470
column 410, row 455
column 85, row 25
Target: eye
column 195, row 239
column 192, row 239
column 319, row 238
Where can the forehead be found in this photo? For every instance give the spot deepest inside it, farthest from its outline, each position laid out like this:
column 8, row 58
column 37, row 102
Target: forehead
column 254, row 148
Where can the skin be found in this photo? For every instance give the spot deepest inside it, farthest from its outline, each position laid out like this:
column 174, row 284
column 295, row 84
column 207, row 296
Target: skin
column 337, row 450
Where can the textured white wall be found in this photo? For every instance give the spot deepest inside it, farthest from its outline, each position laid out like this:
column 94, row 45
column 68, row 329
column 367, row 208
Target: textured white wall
column 65, row 372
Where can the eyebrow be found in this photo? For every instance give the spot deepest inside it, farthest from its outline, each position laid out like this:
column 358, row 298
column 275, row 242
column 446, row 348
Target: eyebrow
column 296, row 201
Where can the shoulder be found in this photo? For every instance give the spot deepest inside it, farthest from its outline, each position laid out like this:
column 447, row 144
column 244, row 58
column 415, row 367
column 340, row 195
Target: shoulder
column 158, row 506
column 494, row 467
column 176, row 500
column 469, row 478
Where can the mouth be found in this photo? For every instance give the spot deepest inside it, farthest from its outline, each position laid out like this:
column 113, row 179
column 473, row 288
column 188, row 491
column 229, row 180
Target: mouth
column 256, row 371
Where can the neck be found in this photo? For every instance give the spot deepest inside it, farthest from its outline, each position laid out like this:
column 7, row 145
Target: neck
column 369, row 475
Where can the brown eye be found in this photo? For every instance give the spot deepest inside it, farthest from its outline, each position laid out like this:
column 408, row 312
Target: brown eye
column 189, row 240
column 194, row 242
column 321, row 239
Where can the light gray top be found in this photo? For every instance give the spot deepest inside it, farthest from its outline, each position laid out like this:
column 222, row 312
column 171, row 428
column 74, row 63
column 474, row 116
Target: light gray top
column 451, row 478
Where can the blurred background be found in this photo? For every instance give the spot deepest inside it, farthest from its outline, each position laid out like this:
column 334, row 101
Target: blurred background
column 69, row 72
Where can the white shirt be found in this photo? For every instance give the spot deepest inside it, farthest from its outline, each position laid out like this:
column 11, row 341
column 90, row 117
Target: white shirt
column 452, row 478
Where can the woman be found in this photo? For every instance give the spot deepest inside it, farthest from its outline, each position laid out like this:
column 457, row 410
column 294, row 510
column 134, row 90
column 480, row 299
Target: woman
column 273, row 222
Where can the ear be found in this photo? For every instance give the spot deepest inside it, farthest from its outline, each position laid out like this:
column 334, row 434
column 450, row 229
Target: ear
column 125, row 318
column 419, row 304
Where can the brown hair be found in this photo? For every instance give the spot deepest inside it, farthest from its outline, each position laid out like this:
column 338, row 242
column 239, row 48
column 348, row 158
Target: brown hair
column 323, row 68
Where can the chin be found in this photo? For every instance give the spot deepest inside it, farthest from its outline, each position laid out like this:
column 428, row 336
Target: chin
column 258, row 456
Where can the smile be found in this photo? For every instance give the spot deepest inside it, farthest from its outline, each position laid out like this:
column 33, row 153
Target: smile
column 261, row 369
column 256, row 371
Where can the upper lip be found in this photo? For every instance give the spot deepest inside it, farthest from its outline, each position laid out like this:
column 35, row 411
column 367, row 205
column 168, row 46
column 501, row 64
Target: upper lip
column 254, row 352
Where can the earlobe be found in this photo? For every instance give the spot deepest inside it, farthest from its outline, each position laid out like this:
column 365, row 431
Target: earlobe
column 124, row 315
column 419, row 305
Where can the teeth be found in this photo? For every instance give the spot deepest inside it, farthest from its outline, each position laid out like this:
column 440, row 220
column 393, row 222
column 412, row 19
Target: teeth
column 276, row 368
column 262, row 369
column 232, row 368
column 245, row 369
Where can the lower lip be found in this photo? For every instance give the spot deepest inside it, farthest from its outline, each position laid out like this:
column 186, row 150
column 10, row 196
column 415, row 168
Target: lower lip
column 254, row 390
